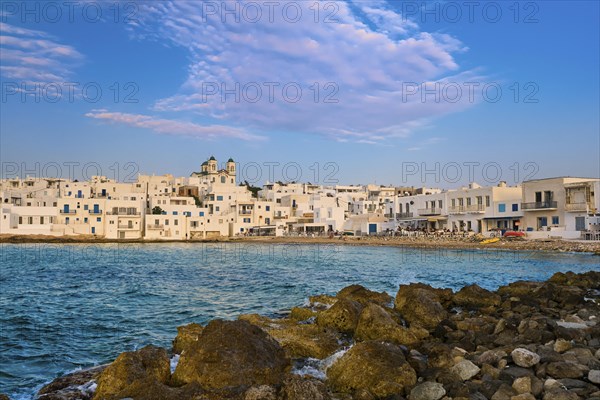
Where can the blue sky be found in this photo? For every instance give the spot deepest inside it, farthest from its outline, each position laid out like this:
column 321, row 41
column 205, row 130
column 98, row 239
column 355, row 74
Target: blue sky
column 370, row 62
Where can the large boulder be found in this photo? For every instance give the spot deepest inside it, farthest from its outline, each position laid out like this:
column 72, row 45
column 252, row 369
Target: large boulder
column 428, row 391
column 76, row 385
column 419, row 305
column 149, row 364
column 300, row 388
column 186, row 336
column 476, row 296
column 364, row 296
column 306, row 340
column 376, row 367
column 232, row 353
column 342, row 316
column 375, row 323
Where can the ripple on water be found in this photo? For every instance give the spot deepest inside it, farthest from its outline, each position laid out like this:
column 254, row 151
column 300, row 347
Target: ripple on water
column 81, row 305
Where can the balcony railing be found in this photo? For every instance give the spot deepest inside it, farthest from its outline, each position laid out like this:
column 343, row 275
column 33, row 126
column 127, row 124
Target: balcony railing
column 247, row 212
column 475, row 208
column 95, row 212
column 124, row 213
column 126, row 226
column 404, row 215
column 575, row 207
column 429, row 211
column 68, row 211
column 155, row 226
column 539, row 205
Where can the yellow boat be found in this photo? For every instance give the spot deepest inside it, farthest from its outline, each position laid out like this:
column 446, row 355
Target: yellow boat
column 488, row 241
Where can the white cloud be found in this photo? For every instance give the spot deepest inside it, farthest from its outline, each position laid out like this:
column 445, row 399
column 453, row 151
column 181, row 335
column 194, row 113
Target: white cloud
column 367, row 63
column 33, row 56
column 172, row 127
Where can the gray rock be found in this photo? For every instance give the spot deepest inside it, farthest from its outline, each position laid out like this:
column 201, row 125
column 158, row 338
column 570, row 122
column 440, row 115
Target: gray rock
column 525, row 358
column 427, row 391
column 594, row 376
column 465, row 369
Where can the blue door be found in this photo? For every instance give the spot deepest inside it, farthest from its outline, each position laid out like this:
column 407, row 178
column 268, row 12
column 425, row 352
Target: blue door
column 66, row 209
column 372, row 228
column 96, row 209
column 79, row 195
column 103, row 192
column 93, row 230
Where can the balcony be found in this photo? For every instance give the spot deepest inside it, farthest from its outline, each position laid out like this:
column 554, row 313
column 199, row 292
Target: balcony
column 95, row 212
column 245, row 212
column 540, row 205
column 124, row 213
column 576, row 207
column 429, row 211
column 130, row 227
column 155, row 226
column 404, row 215
column 68, row 212
column 475, row 208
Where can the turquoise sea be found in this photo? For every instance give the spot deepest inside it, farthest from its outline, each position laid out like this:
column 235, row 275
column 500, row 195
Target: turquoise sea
column 65, row 307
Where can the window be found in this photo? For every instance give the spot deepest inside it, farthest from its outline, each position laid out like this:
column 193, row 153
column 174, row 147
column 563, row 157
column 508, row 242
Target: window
column 453, row 202
column 555, row 220
column 166, row 222
column 247, row 220
column 487, row 201
column 222, row 179
column 515, row 207
column 202, row 213
column 268, row 208
column 219, row 198
column 502, row 207
column 468, row 201
column 85, row 220
column 174, row 212
column 440, row 203
column 99, row 219
column 176, row 222
column 85, row 206
column 217, row 208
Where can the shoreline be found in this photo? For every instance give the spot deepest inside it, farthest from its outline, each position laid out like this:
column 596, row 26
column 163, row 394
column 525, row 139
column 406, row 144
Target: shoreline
column 545, row 245
column 526, row 340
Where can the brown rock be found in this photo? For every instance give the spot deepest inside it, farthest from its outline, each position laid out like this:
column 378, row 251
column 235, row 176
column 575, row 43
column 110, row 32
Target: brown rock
column 564, row 369
column 476, row 296
column 306, row 340
column 364, row 296
column 375, row 323
column 420, row 306
column 149, row 364
column 186, row 335
column 377, row 367
column 232, row 353
column 71, row 386
column 342, row 316
column 301, row 313
column 299, row 388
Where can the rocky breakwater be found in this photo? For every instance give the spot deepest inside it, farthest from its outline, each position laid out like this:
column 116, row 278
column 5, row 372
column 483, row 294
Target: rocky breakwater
column 527, row 340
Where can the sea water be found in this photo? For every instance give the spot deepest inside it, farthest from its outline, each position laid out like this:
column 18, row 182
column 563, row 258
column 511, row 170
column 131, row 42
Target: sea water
column 67, row 307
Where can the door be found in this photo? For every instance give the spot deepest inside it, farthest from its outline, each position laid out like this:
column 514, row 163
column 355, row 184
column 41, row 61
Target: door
column 542, row 222
column 66, row 209
column 372, row 228
column 121, row 235
column 580, row 223
column 79, row 195
column 96, row 209
column 93, row 230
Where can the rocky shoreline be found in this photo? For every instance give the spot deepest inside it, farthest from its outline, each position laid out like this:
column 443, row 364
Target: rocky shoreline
column 525, row 341
column 466, row 243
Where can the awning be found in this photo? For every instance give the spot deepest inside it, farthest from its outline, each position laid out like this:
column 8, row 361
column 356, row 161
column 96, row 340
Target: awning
column 435, row 219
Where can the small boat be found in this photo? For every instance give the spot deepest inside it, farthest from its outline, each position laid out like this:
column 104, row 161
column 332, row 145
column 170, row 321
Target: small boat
column 490, row 240
column 514, row 234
